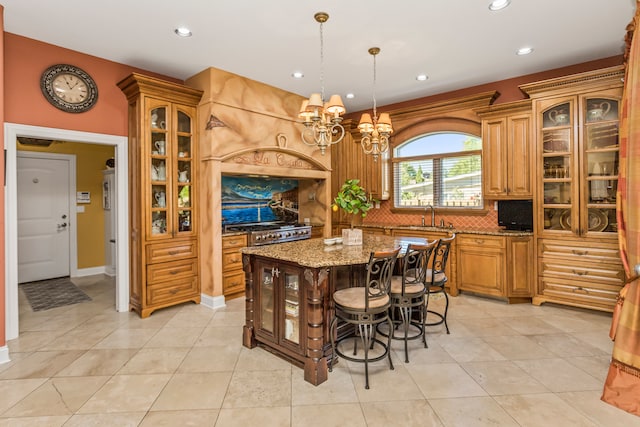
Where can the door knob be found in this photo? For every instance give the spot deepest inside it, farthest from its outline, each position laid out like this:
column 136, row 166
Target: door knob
column 61, row 226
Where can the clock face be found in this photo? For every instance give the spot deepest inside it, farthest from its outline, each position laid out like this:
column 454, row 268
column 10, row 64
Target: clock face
column 69, row 88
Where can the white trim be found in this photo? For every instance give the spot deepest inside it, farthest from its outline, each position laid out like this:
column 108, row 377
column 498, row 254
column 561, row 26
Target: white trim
column 73, row 218
column 11, row 132
column 212, row 302
column 91, row 271
column 4, row 355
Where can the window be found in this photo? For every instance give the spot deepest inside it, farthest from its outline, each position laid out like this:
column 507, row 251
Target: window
column 442, row 169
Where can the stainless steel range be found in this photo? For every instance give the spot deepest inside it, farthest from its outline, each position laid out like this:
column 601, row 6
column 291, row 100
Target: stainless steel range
column 267, row 233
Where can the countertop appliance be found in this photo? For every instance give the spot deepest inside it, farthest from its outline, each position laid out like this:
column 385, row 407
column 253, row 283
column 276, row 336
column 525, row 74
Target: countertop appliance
column 267, row 233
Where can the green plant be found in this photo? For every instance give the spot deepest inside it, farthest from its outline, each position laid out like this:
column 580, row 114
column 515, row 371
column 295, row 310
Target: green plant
column 352, row 198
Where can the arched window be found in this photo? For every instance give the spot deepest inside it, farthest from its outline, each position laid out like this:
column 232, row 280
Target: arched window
column 442, row 169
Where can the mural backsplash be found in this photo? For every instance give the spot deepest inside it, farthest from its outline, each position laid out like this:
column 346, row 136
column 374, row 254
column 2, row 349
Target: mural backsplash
column 250, row 200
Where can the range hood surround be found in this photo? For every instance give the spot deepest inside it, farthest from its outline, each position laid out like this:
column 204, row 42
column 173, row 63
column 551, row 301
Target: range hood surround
column 250, row 128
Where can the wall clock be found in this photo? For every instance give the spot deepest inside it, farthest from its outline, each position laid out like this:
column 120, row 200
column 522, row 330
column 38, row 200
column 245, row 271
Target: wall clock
column 69, row 88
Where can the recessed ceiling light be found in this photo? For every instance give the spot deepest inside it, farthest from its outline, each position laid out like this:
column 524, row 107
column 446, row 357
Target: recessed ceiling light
column 350, row 96
column 297, row 75
column 524, row 51
column 499, row 4
column 421, row 77
column 183, row 32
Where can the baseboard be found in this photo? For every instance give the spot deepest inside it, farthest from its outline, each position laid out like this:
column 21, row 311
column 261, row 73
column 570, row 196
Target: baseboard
column 92, row 271
column 212, row 302
column 4, row 355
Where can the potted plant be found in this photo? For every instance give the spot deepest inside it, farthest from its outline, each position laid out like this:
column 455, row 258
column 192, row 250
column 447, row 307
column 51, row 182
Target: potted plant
column 353, row 199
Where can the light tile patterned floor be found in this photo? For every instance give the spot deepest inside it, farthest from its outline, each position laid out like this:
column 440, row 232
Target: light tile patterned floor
column 502, row 365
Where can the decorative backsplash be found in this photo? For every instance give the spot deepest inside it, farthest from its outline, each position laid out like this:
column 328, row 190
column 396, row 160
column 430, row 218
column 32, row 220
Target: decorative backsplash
column 385, row 216
column 249, row 199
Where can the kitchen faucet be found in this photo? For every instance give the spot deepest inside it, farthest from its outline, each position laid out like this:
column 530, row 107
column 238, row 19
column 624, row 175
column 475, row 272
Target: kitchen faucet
column 433, row 215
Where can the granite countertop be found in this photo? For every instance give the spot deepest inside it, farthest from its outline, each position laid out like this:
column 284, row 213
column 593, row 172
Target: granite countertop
column 314, row 253
column 497, row 231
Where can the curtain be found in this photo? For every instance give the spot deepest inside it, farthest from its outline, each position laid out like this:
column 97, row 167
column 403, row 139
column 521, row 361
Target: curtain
column 622, row 385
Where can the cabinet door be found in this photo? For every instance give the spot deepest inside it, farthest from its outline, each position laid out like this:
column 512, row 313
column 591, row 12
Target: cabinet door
column 293, row 307
column 520, row 257
column 266, row 297
column 600, row 151
column 481, row 265
column 158, row 190
column 494, row 157
column 558, row 167
column 183, row 167
column 519, row 156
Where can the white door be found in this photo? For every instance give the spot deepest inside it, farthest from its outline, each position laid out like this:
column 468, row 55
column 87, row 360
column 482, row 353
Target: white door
column 43, row 218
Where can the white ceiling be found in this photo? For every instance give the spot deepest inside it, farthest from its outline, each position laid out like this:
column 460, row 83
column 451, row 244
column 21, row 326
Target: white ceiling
column 457, row 43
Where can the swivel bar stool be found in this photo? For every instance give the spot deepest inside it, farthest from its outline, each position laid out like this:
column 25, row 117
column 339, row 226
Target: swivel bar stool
column 365, row 307
column 437, row 278
column 408, row 294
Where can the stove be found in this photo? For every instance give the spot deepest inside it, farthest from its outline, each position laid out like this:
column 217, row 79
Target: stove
column 267, row 233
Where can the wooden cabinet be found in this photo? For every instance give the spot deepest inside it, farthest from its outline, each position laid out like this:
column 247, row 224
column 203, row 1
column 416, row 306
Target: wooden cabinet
column 576, row 121
column 279, row 316
column 163, row 201
column 499, row 266
column 506, row 150
column 232, row 274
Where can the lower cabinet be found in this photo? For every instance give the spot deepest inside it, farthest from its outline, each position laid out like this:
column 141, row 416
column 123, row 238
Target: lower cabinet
column 280, row 308
column 584, row 273
column 232, row 274
column 499, row 266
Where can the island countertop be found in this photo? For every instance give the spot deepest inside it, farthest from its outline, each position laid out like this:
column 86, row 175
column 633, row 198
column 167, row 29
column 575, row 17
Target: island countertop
column 315, row 254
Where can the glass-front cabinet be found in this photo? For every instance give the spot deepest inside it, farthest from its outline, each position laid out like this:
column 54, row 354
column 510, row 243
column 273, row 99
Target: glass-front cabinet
column 163, row 219
column 280, row 313
column 170, row 170
column 579, row 152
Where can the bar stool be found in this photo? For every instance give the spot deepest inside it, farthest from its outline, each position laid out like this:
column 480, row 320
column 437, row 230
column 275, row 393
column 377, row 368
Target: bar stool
column 437, row 278
column 365, row 307
column 408, row 294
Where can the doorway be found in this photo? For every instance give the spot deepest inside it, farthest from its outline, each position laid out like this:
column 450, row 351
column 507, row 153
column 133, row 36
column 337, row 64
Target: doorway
column 12, row 132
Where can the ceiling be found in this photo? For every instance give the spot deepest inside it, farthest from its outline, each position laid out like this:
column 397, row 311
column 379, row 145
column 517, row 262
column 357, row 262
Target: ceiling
column 457, row 43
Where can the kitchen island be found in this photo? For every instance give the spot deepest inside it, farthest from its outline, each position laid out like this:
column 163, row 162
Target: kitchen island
column 288, row 295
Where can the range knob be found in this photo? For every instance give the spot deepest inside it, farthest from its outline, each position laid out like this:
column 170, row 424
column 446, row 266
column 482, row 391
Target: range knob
column 258, row 238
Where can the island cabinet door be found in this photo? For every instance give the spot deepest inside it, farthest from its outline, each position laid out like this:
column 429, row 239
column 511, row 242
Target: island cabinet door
column 280, row 306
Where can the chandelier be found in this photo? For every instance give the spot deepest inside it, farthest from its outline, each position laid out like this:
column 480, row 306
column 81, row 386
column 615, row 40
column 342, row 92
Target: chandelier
column 322, row 119
column 375, row 133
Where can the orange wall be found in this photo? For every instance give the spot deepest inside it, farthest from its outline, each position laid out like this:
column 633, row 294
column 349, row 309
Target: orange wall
column 25, row 59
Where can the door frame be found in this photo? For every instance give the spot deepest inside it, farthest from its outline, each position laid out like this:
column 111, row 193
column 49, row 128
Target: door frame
column 11, row 133
column 73, row 218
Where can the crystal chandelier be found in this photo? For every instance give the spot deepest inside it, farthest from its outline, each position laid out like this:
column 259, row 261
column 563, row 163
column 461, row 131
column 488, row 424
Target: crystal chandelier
column 375, row 133
column 322, row 119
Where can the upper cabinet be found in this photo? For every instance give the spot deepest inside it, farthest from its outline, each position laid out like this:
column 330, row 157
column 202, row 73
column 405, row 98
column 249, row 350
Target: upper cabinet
column 506, row 150
column 163, row 203
column 577, row 159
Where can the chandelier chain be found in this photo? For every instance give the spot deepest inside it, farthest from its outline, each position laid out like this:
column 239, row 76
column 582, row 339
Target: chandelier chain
column 322, row 61
column 375, row 115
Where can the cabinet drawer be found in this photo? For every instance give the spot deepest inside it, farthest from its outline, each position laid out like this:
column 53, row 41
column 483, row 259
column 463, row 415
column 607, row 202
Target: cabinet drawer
column 481, row 241
column 233, row 282
column 172, row 271
column 583, row 271
column 234, row 242
column 231, row 260
column 581, row 293
column 580, row 250
column 172, row 290
column 163, row 252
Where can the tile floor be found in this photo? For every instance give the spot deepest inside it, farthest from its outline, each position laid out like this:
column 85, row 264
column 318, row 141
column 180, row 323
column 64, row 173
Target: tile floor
column 502, row 365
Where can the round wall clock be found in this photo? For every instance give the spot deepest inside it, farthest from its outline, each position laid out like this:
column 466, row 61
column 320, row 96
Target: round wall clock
column 69, row 88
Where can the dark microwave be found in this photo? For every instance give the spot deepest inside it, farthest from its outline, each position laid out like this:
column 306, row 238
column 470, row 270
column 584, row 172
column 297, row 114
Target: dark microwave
column 516, row 214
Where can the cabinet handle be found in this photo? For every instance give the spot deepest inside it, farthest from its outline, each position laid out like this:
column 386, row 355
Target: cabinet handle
column 480, row 241
column 580, row 273
column 581, row 253
column 233, row 242
column 173, row 252
column 581, row 290
column 173, row 272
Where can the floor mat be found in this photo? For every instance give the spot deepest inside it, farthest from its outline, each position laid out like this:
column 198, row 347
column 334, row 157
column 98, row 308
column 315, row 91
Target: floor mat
column 52, row 293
